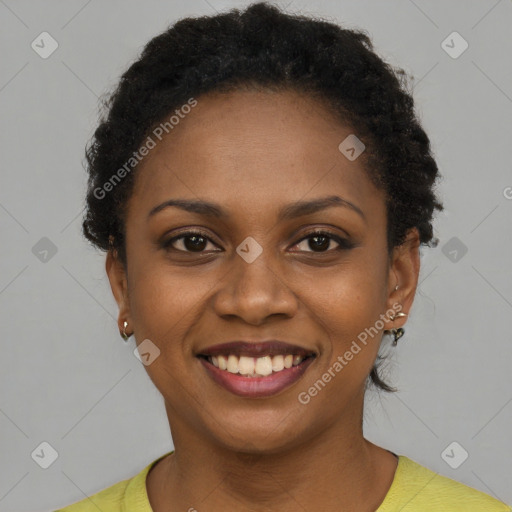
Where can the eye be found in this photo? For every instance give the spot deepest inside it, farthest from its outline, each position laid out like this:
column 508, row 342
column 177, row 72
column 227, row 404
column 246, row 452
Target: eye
column 197, row 241
column 189, row 241
column 320, row 241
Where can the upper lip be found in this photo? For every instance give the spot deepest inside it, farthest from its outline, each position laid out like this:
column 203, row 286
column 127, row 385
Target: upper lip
column 255, row 349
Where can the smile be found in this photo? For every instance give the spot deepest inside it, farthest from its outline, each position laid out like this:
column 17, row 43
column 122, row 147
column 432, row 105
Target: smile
column 256, row 377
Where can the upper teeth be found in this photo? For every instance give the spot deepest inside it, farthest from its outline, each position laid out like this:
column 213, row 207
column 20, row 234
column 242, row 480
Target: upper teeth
column 255, row 366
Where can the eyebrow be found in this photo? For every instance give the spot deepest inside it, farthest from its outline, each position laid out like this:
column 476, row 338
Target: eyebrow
column 288, row 212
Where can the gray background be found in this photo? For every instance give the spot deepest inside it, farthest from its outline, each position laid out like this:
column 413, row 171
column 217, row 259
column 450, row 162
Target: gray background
column 68, row 379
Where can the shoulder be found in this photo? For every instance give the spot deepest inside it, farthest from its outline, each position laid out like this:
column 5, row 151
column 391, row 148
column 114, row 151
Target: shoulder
column 107, row 500
column 417, row 488
column 130, row 494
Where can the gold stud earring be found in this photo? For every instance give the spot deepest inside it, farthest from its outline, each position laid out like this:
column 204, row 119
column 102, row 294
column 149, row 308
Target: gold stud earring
column 397, row 333
column 123, row 332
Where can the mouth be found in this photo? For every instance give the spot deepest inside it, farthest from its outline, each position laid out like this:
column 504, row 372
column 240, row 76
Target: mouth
column 256, row 370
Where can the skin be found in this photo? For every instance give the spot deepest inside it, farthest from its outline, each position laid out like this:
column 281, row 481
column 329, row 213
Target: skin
column 253, row 153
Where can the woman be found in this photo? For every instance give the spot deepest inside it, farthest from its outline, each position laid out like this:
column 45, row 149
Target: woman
column 262, row 187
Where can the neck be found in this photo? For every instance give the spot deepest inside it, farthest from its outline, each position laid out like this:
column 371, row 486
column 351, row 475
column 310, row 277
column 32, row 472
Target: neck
column 337, row 467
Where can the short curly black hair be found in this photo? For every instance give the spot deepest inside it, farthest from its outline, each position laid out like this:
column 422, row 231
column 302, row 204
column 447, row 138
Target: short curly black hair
column 264, row 48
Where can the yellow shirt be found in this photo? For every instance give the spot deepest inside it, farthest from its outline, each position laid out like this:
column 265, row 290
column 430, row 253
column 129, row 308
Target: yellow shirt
column 414, row 489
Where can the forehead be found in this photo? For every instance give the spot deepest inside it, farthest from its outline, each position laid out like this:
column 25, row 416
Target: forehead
column 253, row 150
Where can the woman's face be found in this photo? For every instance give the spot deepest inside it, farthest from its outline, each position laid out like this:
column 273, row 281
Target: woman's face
column 256, row 272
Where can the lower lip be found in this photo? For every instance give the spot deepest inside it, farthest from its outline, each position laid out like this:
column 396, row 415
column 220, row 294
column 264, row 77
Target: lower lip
column 257, row 387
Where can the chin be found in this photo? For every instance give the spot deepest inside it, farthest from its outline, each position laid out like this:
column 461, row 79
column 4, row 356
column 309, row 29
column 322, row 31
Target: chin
column 272, row 434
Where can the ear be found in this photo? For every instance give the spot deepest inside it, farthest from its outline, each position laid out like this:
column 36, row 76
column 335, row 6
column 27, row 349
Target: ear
column 404, row 271
column 118, row 283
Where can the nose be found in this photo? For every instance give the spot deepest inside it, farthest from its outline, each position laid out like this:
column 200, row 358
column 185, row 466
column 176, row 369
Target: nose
column 255, row 291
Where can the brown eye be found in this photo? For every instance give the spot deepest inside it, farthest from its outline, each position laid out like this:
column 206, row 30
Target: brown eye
column 321, row 241
column 190, row 241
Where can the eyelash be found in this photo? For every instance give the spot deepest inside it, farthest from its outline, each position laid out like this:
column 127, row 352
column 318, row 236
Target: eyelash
column 343, row 243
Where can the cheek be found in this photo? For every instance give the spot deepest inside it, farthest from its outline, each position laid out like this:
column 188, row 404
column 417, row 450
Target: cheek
column 163, row 309
column 347, row 301
column 163, row 303
column 166, row 304
column 347, row 306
